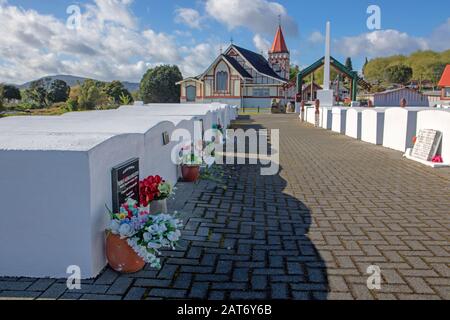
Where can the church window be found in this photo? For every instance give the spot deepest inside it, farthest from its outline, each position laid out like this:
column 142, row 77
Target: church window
column 191, row 92
column 222, row 81
column 261, row 92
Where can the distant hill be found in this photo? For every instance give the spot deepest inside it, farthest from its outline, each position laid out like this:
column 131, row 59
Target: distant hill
column 74, row 80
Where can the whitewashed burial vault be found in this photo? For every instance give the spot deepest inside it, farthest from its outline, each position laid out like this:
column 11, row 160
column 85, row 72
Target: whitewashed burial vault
column 56, row 180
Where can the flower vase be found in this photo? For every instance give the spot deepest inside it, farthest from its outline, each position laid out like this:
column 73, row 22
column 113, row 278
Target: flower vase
column 158, row 206
column 121, row 257
column 190, row 173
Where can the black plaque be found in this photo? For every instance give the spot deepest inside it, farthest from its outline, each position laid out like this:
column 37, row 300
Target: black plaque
column 125, row 183
column 166, row 138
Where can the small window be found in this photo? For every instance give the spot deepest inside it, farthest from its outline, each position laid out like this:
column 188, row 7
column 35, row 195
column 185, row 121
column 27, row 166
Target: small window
column 447, row 92
column 261, row 92
column 222, row 81
column 191, row 92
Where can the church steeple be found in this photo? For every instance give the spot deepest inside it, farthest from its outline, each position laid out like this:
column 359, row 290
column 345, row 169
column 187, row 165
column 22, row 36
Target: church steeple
column 279, row 56
column 279, row 45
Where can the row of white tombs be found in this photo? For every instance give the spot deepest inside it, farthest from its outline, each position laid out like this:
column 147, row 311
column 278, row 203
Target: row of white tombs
column 57, row 178
column 423, row 134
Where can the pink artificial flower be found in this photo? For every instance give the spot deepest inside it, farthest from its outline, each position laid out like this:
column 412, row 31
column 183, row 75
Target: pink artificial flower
column 437, row 159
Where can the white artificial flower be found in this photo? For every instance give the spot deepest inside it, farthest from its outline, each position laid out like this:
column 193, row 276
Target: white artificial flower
column 154, row 245
column 147, row 237
column 172, row 236
column 114, row 226
column 125, row 230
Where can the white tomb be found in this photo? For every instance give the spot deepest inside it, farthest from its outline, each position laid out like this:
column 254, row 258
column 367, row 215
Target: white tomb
column 56, row 181
column 400, row 127
column 373, row 125
column 326, row 117
column 54, row 189
column 310, row 113
column 354, row 122
column 437, row 120
column 339, row 119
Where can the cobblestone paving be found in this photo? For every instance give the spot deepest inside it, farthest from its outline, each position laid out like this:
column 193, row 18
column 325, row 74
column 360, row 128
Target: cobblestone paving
column 337, row 206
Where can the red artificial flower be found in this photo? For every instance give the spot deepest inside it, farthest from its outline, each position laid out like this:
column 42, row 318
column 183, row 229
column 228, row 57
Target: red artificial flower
column 149, row 189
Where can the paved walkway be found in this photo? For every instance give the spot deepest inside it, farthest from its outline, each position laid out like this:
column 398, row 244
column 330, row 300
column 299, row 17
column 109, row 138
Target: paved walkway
column 337, row 206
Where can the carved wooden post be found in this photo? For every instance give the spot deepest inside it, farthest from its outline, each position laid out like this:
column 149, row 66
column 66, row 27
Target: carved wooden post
column 317, row 115
column 403, row 103
column 302, row 111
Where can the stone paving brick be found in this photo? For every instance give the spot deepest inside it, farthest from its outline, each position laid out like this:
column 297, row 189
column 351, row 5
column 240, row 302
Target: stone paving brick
column 41, row 285
column 107, row 297
column 55, row 291
column 120, row 286
column 19, row 295
column 135, row 294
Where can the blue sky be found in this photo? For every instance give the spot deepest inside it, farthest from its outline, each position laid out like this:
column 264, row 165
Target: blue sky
column 122, row 38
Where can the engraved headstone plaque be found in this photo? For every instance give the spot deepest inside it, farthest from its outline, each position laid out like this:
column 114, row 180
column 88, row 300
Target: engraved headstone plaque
column 427, row 144
column 125, row 183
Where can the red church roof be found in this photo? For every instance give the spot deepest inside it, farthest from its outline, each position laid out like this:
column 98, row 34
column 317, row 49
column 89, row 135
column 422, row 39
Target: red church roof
column 279, row 45
column 445, row 80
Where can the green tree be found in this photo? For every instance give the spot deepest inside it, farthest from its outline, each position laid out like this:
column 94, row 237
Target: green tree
column 294, row 71
column 158, row 85
column 10, row 92
column 58, row 91
column 436, row 70
column 37, row 92
column 364, row 67
column 349, row 63
column 400, row 74
column 116, row 90
column 91, row 96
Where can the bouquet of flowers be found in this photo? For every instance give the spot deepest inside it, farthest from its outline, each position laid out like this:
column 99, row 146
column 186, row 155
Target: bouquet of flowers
column 154, row 188
column 146, row 234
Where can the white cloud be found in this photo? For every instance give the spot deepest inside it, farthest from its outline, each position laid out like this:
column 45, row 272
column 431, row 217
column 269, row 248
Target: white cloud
column 107, row 46
column 440, row 38
column 189, row 17
column 260, row 16
column 390, row 42
column 199, row 58
column 380, row 43
column 261, row 44
column 316, row 37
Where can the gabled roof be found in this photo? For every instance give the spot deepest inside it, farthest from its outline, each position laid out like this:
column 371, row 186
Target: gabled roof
column 231, row 62
column 258, row 62
column 279, row 45
column 445, row 80
column 240, row 69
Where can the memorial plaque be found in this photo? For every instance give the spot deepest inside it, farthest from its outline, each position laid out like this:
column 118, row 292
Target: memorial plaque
column 427, row 144
column 166, row 138
column 125, row 183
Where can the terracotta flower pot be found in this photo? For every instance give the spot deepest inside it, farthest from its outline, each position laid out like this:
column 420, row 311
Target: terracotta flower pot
column 190, row 173
column 121, row 257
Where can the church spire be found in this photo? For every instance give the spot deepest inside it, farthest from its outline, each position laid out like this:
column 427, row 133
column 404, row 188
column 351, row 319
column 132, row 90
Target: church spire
column 279, row 45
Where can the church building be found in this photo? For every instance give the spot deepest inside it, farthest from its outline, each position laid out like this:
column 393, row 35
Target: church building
column 244, row 78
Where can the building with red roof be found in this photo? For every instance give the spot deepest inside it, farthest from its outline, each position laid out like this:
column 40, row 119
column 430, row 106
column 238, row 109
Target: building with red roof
column 444, row 84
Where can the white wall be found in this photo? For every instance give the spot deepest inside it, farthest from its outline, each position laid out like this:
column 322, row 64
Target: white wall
column 373, row 125
column 400, row 127
column 354, row 123
column 339, row 119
